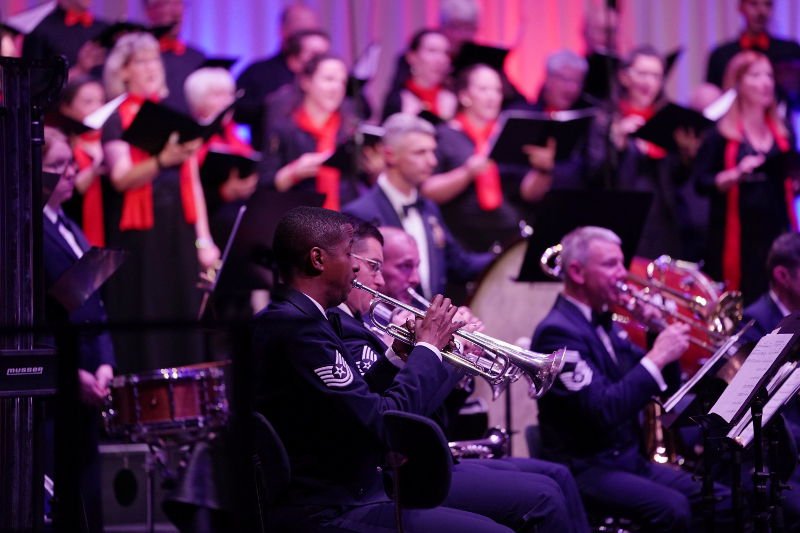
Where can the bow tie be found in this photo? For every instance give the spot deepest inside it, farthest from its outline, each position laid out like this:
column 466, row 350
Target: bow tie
column 759, row 41
column 604, row 320
column 171, row 44
column 84, row 18
column 414, row 205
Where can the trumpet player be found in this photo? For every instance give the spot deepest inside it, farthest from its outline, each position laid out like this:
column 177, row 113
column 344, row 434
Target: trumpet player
column 323, row 411
column 589, row 419
column 544, row 494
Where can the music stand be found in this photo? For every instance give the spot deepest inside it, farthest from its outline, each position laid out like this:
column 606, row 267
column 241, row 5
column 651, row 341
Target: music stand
column 562, row 211
column 742, row 405
column 208, row 291
column 250, row 262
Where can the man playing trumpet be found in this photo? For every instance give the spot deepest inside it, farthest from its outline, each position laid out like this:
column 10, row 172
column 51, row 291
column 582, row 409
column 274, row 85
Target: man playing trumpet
column 589, row 419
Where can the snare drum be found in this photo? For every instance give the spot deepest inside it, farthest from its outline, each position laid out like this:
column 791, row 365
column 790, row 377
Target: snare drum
column 180, row 404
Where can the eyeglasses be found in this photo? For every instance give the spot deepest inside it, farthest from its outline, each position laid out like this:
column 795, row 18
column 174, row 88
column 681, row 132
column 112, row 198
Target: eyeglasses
column 374, row 266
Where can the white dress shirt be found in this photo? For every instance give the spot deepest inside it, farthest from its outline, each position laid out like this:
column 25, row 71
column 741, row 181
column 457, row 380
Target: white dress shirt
column 63, row 230
column 413, row 224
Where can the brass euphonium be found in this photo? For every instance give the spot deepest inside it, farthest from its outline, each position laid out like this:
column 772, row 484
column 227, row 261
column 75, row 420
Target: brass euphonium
column 499, row 362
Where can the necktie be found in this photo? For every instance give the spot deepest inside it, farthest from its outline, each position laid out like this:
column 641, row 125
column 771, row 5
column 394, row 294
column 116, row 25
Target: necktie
column 336, row 322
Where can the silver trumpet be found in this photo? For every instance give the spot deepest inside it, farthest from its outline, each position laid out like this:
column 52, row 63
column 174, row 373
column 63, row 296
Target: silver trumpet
column 499, row 362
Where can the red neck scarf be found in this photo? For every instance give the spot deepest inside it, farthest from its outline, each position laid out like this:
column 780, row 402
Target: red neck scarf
column 428, row 96
column 73, row 17
column 227, row 138
column 325, row 137
column 168, row 43
column 137, row 205
column 732, row 243
column 652, row 151
column 92, row 208
column 487, row 184
column 754, row 41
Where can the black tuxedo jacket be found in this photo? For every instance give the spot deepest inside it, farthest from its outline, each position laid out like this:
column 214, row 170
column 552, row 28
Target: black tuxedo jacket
column 449, row 261
column 590, row 413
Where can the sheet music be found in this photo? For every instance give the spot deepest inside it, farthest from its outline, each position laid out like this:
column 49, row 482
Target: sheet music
column 728, row 348
column 742, row 433
column 755, row 366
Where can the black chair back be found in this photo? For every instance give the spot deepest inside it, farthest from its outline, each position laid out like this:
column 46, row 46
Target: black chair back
column 420, row 461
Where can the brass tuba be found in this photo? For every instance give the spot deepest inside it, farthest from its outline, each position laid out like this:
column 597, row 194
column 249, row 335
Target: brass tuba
column 499, row 362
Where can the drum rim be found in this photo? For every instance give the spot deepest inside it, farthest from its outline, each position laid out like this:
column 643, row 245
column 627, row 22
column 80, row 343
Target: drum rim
column 213, row 370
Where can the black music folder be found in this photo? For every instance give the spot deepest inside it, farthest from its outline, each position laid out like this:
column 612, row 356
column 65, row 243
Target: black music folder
column 67, row 125
column 88, row 274
column 781, row 165
column 520, row 128
column 250, row 262
column 345, row 155
column 660, row 129
column 562, row 211
column 154, row 123
column 473, row 54
column 220, row 161
column 431, row 117
column 219, row 62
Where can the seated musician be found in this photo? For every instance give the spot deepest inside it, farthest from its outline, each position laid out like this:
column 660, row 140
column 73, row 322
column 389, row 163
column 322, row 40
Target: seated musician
column 64, row 244
column 400, row 266
column 589, row 418
column 409, row 145
column 307, row 386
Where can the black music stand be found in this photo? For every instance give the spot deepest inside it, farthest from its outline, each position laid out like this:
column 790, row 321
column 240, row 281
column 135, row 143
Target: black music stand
column 250, row 263
column 562, row 211
column 742, row 404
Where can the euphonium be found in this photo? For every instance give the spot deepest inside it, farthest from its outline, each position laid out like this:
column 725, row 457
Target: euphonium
column 499, row 362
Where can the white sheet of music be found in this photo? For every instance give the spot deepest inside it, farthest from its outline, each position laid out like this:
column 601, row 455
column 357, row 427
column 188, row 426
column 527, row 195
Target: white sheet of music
column 754, row 367
column 743, row 432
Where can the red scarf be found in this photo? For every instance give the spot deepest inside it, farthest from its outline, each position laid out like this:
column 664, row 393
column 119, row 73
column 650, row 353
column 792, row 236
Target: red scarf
column 73, row 17
column 487, row 184
column 325, row 137
column 651, row 150
column 92, row 209
column 758, row 41
column 428, row 96
column 137, row 204
column 172, row 44
column 732, row 240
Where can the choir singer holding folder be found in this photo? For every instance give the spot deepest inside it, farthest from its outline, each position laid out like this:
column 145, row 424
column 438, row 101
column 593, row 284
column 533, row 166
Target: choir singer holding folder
column 159, row 215
column 475, row 194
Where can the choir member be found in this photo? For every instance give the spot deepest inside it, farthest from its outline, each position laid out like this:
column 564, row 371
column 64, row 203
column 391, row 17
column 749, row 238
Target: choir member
column 80, row 98
column 297, row 148
column 266, row 76
column 750, row 206
column 757, row 15
column 180, row 59
column 637, row 165
column 158, row 215
column 68, row 30
column 428, row 57
column 475, row 195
